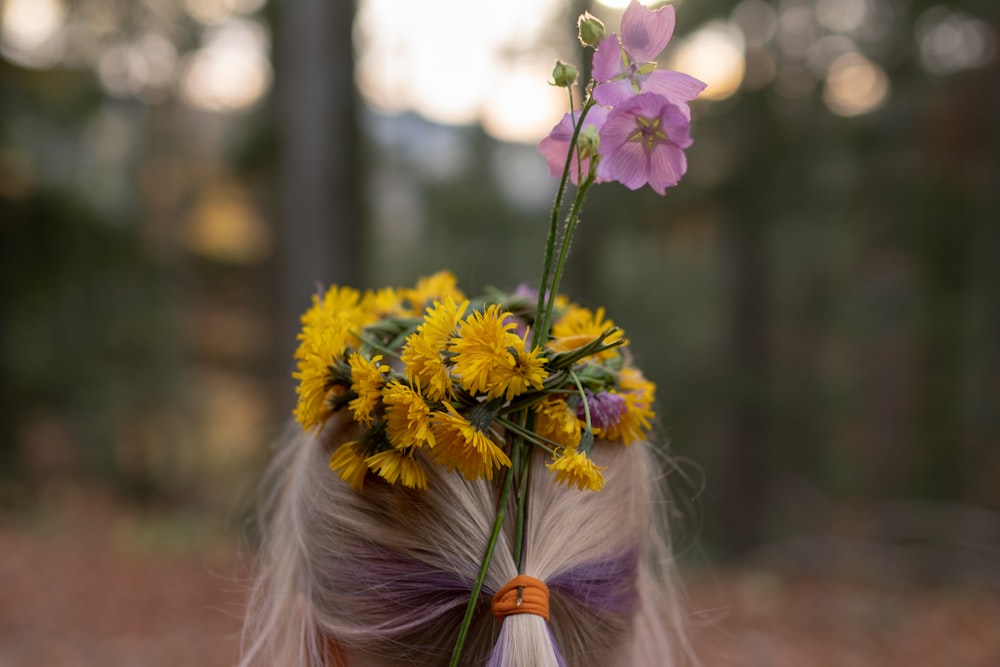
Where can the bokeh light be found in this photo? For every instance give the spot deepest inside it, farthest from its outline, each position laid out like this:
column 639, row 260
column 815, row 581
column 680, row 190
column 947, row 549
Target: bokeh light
column 231, row 70
column 714, row 54
column 427, row 58
column 31, row 32
column 855, row 85
column 951, row 40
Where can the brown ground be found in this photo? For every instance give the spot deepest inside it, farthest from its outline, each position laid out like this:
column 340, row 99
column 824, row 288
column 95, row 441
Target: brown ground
column 98, row 590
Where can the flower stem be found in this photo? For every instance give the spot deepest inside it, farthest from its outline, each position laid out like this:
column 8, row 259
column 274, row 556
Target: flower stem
column 477, row 587
column 571, row 221
column 523, row 482
column 546, row 296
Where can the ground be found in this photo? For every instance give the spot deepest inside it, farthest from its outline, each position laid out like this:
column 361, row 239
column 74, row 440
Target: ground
column 98, row 589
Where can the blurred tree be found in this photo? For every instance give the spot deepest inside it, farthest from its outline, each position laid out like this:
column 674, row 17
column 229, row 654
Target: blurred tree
column 321, row 179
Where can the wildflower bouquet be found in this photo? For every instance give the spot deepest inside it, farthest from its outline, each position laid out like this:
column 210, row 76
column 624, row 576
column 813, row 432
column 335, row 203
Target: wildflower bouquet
column 474, row 385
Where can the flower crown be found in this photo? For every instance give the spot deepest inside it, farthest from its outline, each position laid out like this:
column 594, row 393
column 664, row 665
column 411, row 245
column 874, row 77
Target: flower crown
column 421, row 368
column 476, row 385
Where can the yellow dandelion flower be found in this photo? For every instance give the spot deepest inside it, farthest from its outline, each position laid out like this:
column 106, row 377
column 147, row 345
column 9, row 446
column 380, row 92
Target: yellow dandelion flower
column 433, row 288
column 335, row 300
column 407, row 417
column 639, row 394
column 366, row 382
column 386, row 302
column 518, row 373
column 315, row 376
column 350, row 465
column 556, row 422
column 463, row 447
column 575, row 468
column 422, row 355
column 395, row 466
column 481, row 346
column 426, row 368
column 441, row 321
column 339, row 315
column 579, row 326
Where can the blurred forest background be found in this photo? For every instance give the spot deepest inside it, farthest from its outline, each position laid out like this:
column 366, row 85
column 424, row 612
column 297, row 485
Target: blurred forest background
column 818, row 301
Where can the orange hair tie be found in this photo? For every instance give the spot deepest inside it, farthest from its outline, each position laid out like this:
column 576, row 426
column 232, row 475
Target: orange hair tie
column 522, row 595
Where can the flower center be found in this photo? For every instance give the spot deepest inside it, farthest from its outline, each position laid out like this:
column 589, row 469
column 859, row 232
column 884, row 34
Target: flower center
column 649, row 131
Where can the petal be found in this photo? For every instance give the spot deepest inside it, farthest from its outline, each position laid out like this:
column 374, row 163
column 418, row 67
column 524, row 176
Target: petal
column 554, row 152
column 646, row 32
column 616, row 131
column 597, row 116
column 627, row 165
column 677, row 124
column 676, row 86
column 613, row 93
column 667, row 164
column 608, row 63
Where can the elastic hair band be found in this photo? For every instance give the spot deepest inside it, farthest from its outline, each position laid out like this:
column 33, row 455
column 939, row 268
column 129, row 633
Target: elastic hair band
column 522, row 595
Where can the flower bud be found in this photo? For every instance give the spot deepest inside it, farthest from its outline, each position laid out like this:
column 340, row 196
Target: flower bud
column 589, row 141
column 563, row 75
column 591, row 29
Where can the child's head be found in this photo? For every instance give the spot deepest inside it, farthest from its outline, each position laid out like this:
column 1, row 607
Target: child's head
column 383, row 576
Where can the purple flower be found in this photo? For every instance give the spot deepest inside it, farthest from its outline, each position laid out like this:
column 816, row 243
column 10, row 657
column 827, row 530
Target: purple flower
column 606, row 409
column 643, row 141
column 555, row 146
column 625, row 68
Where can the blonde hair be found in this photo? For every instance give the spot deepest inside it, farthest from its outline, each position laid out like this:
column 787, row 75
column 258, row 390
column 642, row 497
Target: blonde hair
column 383, row 577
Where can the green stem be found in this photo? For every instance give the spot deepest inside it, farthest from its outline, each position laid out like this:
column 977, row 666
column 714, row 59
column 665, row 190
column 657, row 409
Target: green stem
column 583, row 399
column 546, row 296
column 529, row 436
column 477, row 588
column 571, row 221
column 523, row 482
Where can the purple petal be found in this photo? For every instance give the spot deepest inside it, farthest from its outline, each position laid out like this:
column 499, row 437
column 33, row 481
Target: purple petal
column 677, row 124
column 555, row 147
column 645, row 104
column 613, row 93
column 616, row 131
column 667, row 163
column 606, row 409
column 597, row 116
column 628, row 165
column 608, row 63
column 554, row 152
column 675, row 86
column 646, row 32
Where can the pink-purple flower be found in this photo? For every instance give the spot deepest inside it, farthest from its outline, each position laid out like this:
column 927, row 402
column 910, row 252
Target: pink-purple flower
column 625, row 68
column 606, row 409
column 555, row 146
column 643, row 141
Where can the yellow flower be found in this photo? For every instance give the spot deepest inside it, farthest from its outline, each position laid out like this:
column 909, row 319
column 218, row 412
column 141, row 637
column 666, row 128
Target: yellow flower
column 423, row 352
column 407, row 417
column 386, row 302
column 433, row 288
column 338, row 312
column 576, row 468
column 315, row 375
column 366, row 382
column 556, row 422
column 481, row 347
column 519, row 372
column 579, row 326
column 350, row 465
column 394, row 466
column 463, row 447
column 639, row 394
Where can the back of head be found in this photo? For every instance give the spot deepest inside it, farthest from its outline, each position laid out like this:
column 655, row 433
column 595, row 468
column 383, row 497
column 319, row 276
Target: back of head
column 383, row 576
